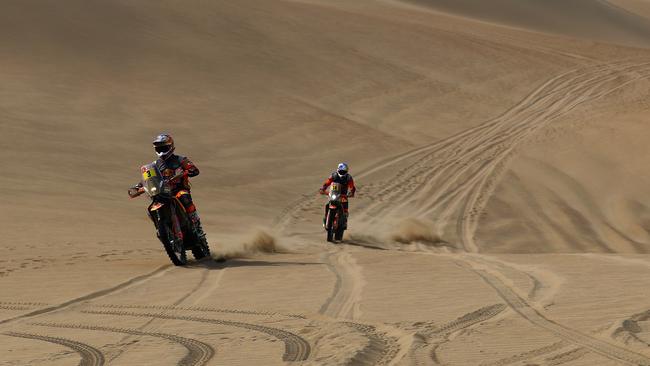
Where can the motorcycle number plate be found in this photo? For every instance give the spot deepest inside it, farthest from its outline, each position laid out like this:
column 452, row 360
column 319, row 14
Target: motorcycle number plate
column 156, row 206
column 148, row 173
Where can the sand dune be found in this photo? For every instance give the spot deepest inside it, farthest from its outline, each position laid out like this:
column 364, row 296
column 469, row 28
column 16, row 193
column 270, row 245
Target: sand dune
column 500, row 149
column 600, row 21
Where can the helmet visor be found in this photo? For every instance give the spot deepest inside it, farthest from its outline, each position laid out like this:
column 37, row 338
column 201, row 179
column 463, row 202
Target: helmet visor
column 342, row 172
column 163, row 148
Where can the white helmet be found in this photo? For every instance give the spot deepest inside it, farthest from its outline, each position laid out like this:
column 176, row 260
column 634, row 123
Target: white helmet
column 342, row 169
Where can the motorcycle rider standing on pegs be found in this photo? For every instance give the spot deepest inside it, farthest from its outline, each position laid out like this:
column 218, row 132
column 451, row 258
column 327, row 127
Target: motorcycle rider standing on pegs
column 348, row 189
column 171, row 165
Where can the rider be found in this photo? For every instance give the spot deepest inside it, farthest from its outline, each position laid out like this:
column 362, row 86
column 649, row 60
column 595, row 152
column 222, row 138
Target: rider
column 170, row 165
column 348, row 189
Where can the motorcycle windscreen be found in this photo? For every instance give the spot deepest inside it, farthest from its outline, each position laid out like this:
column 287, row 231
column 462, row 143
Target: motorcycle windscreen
column 335, row 192
column 151, row 179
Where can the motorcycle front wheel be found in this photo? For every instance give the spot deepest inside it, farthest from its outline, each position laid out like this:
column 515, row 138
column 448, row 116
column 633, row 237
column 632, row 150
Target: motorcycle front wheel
column 331, row 228
column 174, row 249
column 338, row 233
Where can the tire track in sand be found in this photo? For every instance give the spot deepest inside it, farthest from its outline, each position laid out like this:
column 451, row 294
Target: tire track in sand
column 198, row 353
column 150, row 323
column 90, row 296
column 199, row 309
column 528, row 355
column 380, row 349
column 424, row 351
column 452, row 182
column 23, row 304
column 534, row 316
column 14, row 307
column 90, row 356
column 296, row 348
column 345, row 300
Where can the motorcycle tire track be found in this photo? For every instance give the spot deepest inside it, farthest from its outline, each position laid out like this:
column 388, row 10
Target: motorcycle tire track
column 528, row 355
column 476, row 203
column 572, row 353
column 377, row 342
column 469, row 319
column 380, row 350
column 296, row 348
column 198, row 309
column 337, row 285
column 15, row 307
column 565, row 357
column 457, row 180
column 465, row 321
column 628, row 326
column 198, row 353
column 25, row 304
column 452, row 143
column 150, row 323
column 90, row 296
column 535, row 317
column 345, row 300
column 424, row 351
column 90, row 356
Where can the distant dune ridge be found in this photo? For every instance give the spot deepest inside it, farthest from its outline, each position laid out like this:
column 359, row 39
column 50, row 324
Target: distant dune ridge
column 595, row 20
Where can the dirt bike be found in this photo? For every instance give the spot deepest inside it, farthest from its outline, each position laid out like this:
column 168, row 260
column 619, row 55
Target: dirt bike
column 173, row 226
column 335, row 219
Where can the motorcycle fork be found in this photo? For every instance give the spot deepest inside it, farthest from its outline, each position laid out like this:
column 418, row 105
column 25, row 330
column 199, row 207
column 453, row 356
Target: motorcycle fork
column 176, row 226
column 335, row 218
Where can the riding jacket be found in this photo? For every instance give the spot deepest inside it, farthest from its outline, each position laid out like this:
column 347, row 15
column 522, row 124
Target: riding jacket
column 347, row 184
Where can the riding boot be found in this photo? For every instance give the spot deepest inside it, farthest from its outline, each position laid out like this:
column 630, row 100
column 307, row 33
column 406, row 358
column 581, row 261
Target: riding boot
column 196, row 222
column 345, row 223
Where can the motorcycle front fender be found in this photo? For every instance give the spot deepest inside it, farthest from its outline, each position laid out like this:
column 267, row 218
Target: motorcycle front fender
column 156, row 211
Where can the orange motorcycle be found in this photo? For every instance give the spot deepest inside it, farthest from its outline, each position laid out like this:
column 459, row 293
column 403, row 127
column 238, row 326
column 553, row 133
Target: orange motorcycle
column 173, row 226
column 335, row 217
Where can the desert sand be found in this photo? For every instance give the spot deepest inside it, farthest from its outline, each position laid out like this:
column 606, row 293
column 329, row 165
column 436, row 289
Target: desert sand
column 500, row 149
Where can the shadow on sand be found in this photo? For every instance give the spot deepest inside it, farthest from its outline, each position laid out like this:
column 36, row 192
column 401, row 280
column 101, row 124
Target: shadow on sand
column 237, row 262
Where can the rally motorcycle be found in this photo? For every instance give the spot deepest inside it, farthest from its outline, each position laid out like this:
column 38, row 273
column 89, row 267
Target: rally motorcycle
column 173, row 226
column 335, row 220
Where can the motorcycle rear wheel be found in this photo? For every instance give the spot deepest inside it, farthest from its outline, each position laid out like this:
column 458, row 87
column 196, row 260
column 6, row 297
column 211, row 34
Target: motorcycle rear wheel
column 201, row 250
